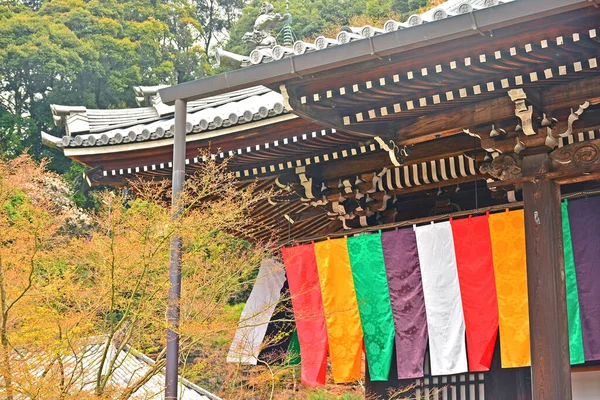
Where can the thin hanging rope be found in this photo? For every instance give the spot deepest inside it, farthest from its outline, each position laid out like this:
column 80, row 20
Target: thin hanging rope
column 475, row 162
column 289, row 223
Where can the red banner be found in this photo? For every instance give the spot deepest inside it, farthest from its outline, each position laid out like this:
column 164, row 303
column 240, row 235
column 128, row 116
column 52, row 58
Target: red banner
column 303, row 280
column 473, row 249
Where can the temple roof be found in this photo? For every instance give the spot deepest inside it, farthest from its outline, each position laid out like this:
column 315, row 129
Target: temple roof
column 347, row 34
column 381, row 128
column 130, row 365
column 92, row 127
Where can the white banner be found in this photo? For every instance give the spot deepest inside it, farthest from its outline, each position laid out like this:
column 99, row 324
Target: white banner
column 257, row 313
column 443, row 304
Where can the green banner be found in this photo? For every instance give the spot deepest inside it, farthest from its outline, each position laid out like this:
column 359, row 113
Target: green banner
column 374, row 306
column 575, row 334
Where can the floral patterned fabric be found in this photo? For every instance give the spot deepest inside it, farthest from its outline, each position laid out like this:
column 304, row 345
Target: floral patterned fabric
column 305, row 290
column 408, row 305
column 341, row 310
column 574, row 317
column 370, row 282
column 584, row 217
column 507, row 232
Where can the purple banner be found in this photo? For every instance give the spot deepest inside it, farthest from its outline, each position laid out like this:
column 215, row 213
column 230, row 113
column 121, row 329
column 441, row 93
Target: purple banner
column 408, row 304
column 584, row 216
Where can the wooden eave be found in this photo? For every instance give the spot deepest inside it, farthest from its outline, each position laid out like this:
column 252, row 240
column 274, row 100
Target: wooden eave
column 389, row 97
column 377, row 47
column 282, row 145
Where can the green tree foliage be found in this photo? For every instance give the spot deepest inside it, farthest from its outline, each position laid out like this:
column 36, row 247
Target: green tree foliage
column 407, row 7
column 35, row 53
column 217, row 17
column 89, row 53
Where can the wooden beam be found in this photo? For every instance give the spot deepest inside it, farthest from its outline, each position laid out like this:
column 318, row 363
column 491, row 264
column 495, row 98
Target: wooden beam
column 550, row 365
column 423, row 152
column 436, row 185
column 452, row 122
column 331, row 117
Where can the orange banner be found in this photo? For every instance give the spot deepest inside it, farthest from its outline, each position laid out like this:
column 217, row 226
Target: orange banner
column 344, row 330
column 507, row 232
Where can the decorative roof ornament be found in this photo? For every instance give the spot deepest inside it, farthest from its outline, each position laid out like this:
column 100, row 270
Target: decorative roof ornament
column 267, row 49
column 261, row 37
column 266, row 21
column 287, row 33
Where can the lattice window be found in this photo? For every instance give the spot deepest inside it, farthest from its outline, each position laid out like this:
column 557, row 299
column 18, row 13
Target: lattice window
column 468, row 386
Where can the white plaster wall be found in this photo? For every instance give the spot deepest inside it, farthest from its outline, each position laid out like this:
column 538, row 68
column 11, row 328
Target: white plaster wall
column 586, row 385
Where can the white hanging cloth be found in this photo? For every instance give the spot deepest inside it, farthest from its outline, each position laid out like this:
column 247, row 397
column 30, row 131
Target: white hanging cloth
column 443, row 304
column 257, row 313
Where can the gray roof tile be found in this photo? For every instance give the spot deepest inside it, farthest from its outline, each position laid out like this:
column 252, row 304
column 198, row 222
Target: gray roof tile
column 91, row 127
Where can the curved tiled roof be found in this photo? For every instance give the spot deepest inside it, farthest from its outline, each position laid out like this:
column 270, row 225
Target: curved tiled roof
column 92, row 127
column 349, row 34
column 81, row 364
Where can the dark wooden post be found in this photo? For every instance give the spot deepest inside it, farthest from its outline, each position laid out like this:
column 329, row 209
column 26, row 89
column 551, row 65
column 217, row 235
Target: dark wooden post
column 550, row 366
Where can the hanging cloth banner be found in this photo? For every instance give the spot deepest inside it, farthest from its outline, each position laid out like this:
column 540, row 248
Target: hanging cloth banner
column 303, row 280
column 574, row 317
column 372, row 293
column 341, row 310
column 507, row 232
column 408, row 305
column 276, row 340
column 445, row 319
column 584, row 221
column 293, row 352
column 257, row 313
column 473, row 249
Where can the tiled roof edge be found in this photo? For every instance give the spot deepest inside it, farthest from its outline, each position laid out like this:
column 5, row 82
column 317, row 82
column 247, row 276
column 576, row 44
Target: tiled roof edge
column 252, row 108
column 348, row 34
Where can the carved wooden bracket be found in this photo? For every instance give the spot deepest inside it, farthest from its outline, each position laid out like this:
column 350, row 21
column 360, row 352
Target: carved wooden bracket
column 307, row 184
column 397, row 154
column 552, row 136
column 488, row 143
column 504, row 167
column 523, row 111
column 299, row 184
column 576, row 162
column 578, row 155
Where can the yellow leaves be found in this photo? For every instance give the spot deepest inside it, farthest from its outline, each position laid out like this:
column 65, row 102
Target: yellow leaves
column 110, row 279
column 108, row 26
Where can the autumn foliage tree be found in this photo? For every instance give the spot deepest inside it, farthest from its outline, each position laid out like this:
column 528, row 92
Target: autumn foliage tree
column 70, row 280
column 36, row 220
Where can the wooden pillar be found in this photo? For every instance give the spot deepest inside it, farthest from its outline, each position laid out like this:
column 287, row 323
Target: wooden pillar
column 550, row 367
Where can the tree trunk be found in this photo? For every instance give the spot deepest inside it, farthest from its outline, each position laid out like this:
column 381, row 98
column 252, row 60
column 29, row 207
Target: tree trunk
column 6, row 364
